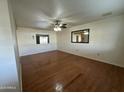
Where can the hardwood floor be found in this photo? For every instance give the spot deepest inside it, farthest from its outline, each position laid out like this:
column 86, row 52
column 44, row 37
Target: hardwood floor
column 60, row 71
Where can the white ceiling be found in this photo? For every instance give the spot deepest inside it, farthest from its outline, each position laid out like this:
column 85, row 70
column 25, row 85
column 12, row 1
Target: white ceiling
column 41, row 13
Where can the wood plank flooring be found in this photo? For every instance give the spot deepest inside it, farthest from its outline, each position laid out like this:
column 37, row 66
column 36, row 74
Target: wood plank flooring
column 60, row 71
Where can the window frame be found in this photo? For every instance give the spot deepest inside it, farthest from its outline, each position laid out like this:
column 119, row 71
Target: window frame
column 88, row 30
column 38, row 38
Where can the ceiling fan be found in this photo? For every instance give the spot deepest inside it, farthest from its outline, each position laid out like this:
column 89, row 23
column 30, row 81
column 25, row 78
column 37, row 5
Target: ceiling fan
column 58, row 25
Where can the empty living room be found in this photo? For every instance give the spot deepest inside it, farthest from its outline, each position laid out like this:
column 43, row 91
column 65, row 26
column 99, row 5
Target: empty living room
column 61, row 45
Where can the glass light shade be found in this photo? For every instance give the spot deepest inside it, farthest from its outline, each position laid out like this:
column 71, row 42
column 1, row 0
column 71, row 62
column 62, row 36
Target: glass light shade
column 55, row 29
column 59, row 29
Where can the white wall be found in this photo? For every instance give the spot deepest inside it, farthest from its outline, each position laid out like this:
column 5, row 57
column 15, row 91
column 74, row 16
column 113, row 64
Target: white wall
column 14, row 35
column 9, row 78
column 106, row 41
column 27, row 44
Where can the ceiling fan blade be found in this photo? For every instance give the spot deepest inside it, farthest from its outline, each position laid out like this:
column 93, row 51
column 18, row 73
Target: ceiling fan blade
column 64, row 26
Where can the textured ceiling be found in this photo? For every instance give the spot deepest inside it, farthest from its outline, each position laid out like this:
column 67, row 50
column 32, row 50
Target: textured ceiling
column 42, row 13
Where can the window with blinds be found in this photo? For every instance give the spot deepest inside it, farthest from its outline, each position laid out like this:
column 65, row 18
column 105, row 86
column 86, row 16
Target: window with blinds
column 42, row 39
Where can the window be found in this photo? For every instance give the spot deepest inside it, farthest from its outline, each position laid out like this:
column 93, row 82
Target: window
column 42, row 39
column 80, row 36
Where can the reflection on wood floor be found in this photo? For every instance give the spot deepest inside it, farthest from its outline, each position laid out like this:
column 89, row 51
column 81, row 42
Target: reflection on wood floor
column 60, row 71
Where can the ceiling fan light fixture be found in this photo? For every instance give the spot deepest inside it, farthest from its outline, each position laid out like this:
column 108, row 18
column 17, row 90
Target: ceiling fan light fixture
column 57, row 28
column 59, row 25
